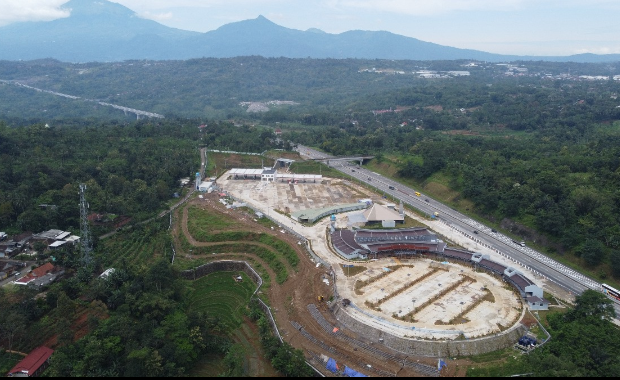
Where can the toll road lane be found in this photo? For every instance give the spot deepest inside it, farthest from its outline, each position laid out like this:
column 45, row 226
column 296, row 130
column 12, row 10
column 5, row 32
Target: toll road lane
column 552, row 270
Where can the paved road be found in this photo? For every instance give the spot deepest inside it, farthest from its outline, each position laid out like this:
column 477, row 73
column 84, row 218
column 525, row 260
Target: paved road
column 554, row 271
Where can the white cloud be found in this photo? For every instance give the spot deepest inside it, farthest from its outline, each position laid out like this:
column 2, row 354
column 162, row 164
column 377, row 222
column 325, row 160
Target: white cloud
column 437, row 7
column 157, row 16
column 426, row 7
column 599, row 50
column 31, row 10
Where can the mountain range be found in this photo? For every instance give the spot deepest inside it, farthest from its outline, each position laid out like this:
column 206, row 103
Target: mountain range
column 99, row 30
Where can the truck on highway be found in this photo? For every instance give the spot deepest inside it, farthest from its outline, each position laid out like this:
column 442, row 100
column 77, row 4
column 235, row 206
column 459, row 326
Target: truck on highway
column 417, row 194
column 521, row 243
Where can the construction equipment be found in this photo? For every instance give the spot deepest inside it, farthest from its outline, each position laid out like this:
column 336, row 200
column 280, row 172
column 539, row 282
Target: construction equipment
column 417, row 194
column 320, row 298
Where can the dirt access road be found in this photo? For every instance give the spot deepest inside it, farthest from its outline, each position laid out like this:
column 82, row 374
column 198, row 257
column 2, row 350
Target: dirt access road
column 290, row 300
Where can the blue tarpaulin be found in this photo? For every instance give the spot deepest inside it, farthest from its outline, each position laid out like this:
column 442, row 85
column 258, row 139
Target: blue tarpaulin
column 331, row 365
column 441, row 364
column 352, row 373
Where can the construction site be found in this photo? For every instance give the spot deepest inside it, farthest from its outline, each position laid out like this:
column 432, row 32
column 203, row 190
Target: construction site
column 411, row 308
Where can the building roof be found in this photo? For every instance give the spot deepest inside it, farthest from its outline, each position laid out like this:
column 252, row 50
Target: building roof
column 206, row 184
column 33, row 361
column 292, row 176
column 63, row 235
column 379, row 213
column 36, row 273
column 72, row 238
column 316, row 213
column 51, row 234
column 285, row 160
column 534, row 299
column 238, row 171
column 107, row 272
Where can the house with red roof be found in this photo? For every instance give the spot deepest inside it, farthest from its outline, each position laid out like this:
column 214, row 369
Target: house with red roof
column 40, row 276
column 33, row 364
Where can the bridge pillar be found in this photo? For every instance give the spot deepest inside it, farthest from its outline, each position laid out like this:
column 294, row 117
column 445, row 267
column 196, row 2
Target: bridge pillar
column 361, row 161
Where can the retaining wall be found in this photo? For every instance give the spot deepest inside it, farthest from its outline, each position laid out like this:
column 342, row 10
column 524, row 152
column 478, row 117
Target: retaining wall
column 430, row 348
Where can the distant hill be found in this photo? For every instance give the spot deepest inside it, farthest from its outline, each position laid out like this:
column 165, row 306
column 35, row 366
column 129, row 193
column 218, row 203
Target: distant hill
column 98, row 30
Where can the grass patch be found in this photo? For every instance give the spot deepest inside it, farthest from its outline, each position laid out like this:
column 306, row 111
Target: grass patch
column 264, row 254
column 203, row 220
column 313, row 167
column 354, row 271
column 218, row 163
column 512, row 363
column 211, row 365
column 220, row 296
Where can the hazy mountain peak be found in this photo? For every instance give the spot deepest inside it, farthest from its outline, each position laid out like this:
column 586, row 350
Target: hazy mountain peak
column 99, row 30
column 315, row 30
column 97, row 8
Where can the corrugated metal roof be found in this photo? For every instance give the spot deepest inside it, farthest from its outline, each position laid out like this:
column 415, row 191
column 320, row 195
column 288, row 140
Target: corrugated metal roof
column 31, row 363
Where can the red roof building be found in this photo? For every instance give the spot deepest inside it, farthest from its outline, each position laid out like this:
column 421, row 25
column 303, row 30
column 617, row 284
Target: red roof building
column 33, row 364
column 36, row 273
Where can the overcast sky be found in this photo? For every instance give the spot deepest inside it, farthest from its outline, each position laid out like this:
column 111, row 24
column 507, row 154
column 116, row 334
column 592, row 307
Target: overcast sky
column 522, row 27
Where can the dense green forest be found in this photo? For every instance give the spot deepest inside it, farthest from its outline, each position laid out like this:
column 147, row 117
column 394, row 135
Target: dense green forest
column 130, row 169
column 326, row 89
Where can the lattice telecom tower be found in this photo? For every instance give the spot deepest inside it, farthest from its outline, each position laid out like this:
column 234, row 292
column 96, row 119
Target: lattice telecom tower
column 87, row 244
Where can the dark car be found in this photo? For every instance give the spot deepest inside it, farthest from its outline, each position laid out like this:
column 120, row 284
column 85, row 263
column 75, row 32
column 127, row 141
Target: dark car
column 493, row 230
column 426, row 200
column 475, row 231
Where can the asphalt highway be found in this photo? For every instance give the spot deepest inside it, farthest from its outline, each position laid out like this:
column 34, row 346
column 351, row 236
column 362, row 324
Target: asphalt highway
column 522, row 256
